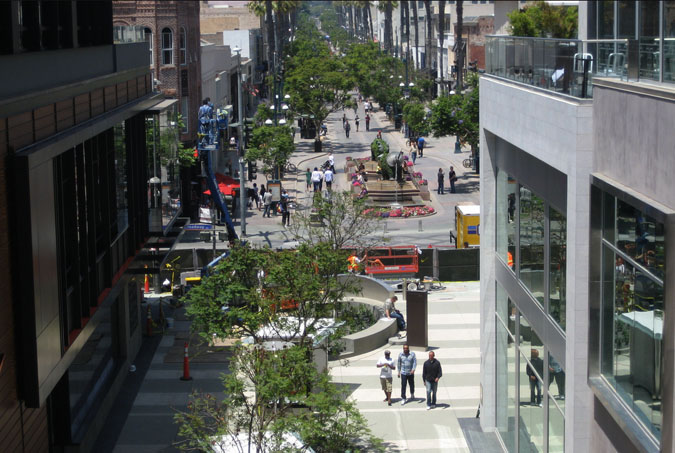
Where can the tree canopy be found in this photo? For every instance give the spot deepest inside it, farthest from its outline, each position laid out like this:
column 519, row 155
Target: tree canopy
column 543, row 20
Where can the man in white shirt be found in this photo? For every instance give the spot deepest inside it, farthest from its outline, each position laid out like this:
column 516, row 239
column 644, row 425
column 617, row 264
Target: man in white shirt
column 386, row 365
column 317, row 178
column 328, row 177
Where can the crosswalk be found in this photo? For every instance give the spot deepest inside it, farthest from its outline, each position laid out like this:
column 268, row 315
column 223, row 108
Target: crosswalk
column 454, row 335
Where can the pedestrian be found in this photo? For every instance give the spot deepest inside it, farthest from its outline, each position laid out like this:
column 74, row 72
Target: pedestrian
column 420, row 146
column 556, row 372
column 308, row 177
column 285, row 212
column 379, row 135
column 390, row 311
column 407, row 362
column 331, row 163
column 256, row 196
column 261, row 196
column 347, row 129
column 386, row 364
column 452, row 177
column 441, row 177
column 356, row 121
column 431, row 373
column 316, row 179
column 267, row 203
column 321, row 180
column 344, row 120
column 367, row 121
column 535, row 383
column 328, row 177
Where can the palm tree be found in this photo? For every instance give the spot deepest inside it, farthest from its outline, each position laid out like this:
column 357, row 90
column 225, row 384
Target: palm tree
column 459, row 53
column 387, row 6
column 406, row 11
column 416, row 22
column 427, row 43
column 264, row 8
column 441, row 32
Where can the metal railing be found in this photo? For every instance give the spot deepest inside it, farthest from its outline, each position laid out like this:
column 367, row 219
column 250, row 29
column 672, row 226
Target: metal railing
column 566, row 66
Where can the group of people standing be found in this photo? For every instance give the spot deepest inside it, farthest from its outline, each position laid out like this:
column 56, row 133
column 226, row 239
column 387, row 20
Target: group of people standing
column 452, row 177
column 407, row 364
column 317, row 177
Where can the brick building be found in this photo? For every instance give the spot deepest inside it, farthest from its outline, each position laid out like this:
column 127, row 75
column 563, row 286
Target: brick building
column 172, row 29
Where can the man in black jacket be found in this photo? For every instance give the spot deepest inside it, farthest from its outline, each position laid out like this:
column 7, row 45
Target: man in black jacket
column 538, row 365
column 431, row 373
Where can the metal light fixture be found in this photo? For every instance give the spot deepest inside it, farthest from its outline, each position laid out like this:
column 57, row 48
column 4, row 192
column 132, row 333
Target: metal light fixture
column 271, row 107
column 284, row 107
column 288, row 96
column 401, row 84
column 269, row 122
column 411, row 84
column 282, row 121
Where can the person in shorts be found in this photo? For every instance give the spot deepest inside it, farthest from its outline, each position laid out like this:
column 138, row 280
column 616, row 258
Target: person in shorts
column 386, row 365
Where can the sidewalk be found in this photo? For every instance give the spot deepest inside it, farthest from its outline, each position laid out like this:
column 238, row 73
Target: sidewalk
column 454, row 336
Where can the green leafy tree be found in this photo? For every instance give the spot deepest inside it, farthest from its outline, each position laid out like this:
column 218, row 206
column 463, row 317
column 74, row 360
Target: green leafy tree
column 266, row 396
column 458, row 114
column 415, row 117
column 273, row 145
column 543, row 20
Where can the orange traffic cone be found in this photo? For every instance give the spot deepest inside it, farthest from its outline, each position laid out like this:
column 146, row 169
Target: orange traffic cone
column 186, row 366
column 147, row 282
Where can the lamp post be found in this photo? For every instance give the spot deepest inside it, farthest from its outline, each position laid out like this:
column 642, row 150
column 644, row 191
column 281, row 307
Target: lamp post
column 240, row 128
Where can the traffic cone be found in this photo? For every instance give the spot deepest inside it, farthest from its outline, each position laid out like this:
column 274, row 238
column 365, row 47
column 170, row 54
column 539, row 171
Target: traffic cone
column 186, row 366
column 148, row 324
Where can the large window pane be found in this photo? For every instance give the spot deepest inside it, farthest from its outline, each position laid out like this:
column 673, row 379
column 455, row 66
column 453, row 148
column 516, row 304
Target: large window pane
column 640, row 237
column 627, row 19
column 632, row 336
column 557, row 268
column 531, row 431
column 556, row 429
column 121, row 177
column 669, row 43
column 529, row 339
column 650, row 58
column 506, row 387
column 532, row 242
column 605, row 19
column 506, row 217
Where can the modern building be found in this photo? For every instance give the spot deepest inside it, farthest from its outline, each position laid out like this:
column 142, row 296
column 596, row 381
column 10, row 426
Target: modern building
column 75, row 199
column 578, row 234
column 172, row 30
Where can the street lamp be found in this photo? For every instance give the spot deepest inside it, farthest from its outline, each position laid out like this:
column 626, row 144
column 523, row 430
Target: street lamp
column 269, row 122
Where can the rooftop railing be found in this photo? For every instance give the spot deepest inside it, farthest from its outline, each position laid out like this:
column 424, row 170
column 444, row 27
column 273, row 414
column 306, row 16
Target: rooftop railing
column 568, row 66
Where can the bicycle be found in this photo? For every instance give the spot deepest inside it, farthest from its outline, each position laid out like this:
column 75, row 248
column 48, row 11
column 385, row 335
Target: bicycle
column 468, row 163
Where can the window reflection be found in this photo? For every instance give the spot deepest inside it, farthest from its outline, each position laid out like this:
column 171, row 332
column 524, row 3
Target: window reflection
column 556, row 428
column 556, row 374
column 531, row 431
column 558, row 265
column 506, row 217
column 633, row 307
column 121, row 177
column 506, row 387
column 669, row 42
column 532, row 242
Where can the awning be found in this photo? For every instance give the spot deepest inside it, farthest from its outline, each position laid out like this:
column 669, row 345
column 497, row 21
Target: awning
column 162, row 105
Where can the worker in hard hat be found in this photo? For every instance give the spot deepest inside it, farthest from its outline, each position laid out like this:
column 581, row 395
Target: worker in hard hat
column 353, row 263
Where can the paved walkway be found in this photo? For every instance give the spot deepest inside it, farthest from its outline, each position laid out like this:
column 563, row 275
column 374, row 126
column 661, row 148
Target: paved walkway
column 454, row 335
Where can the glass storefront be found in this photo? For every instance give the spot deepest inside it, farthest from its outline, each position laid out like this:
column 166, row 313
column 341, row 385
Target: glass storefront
column 556, row 428
column 506, row 386
column 632, row 268
column 531, row 240
column 531, row 429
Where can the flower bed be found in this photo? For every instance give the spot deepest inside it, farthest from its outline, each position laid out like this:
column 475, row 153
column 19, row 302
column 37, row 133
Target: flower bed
column 403, row 212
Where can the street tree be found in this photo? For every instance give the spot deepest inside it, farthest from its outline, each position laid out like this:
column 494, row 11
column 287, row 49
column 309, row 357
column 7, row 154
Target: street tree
column 414, row 116
column 266, row 397
column 541, row 19
column 338, row 221
column 417, row 44
column 458, row 115
column 273, row 145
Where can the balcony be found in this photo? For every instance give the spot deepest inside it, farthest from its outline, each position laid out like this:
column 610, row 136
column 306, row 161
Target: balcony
column 568, row 66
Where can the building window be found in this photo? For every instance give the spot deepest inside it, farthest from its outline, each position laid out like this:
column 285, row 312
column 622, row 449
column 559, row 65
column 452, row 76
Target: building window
column 185, row 112
column 167, row 46
column 669, row 44
column 122, row 204
column 531, row 230
column 632, row 269
column 557, row 246
column 149, row 40
column 182, row 45
column 506, row 217
column 505, row 381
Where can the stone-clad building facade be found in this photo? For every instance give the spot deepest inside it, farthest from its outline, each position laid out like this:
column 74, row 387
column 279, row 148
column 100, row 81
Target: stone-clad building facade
column 172, row 28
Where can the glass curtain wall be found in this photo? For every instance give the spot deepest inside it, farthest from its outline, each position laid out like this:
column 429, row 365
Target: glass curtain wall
column 557, row 245
column 524, row 405
column 531, row 229
column 632, row 272
column 506, row 217
column 669, row 41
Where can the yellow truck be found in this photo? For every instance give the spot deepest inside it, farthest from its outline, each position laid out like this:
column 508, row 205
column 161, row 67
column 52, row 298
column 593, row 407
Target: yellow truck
column 467, row 225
